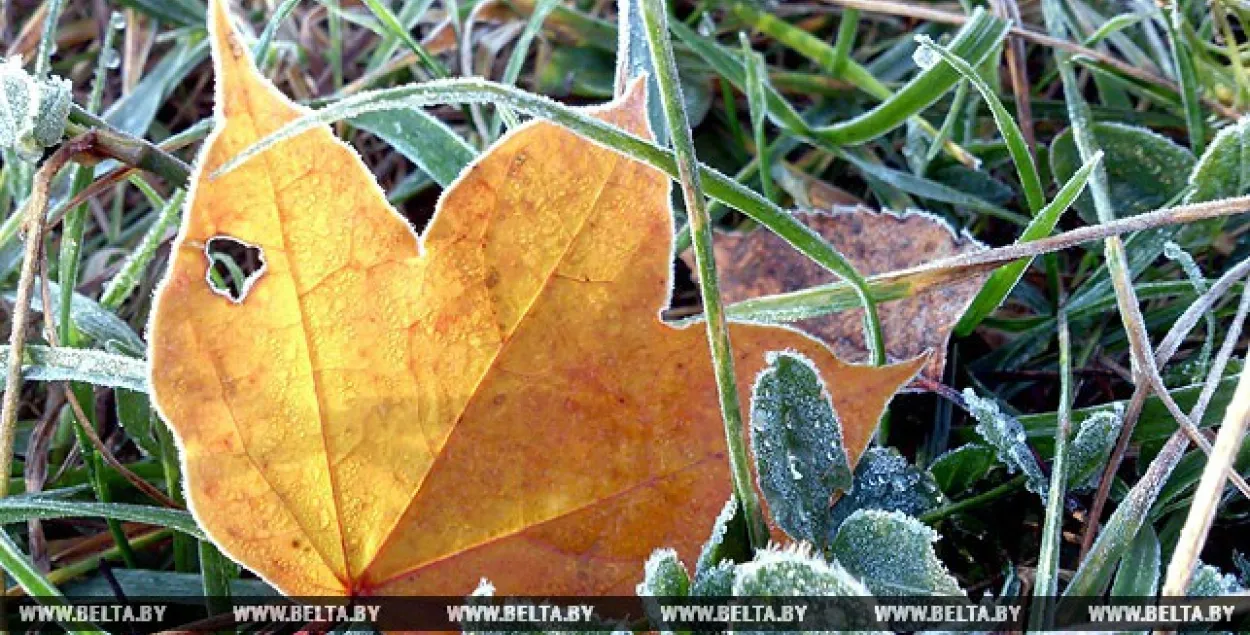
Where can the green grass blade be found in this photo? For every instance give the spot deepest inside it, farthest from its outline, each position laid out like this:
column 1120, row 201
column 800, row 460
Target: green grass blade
column 397, row 30
column 1003, row 280
column 23, row 571
column 1047, row 581
column 757, row 96
column 261, row 49
column 1026, row 167
column 19, row 509
column 655, row 18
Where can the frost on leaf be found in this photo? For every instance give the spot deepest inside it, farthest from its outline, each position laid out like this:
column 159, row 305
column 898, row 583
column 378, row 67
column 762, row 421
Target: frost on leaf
column 664, row 575
column 1223, row 171
column 1145, row 170
column 1005, row 434
column 1209, row 581
column 728, row 543
column 1089, row 449
column 797, row 442
column 759, row 263
column 794, row 571
column 33, row 111
column 892, row 554
column 885, row 480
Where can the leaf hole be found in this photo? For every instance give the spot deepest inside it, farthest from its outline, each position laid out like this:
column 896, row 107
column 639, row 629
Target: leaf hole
column 233, row 266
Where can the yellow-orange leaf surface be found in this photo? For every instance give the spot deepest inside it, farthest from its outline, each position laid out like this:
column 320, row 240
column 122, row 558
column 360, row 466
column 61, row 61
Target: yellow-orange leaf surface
column 387, row 415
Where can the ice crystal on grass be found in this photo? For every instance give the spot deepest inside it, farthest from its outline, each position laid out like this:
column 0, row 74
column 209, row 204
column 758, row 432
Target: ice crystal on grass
column 892, row 553
column 1005, row 434
column 885, row 480
column 797, row 440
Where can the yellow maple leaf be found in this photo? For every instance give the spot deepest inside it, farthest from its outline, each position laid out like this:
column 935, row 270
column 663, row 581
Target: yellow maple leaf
column 382, row 414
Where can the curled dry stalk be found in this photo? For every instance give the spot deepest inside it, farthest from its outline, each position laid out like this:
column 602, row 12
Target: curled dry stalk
column 1210, row 487
column 1167, row 348
column 34, row 218
column 32, row 214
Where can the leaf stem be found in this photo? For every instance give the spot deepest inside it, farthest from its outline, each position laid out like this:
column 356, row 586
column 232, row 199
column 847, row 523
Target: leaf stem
column 1002, row 490
column 655, row 17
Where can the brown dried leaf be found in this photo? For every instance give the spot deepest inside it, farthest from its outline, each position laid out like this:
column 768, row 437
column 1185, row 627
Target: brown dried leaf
column 759, row 263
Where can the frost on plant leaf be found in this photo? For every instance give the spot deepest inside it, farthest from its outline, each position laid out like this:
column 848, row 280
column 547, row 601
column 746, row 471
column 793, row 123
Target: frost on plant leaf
column 33, row 111
column 760, row 263
column 892, row 553
column 1209, row 581
column 728, row 541
column 1145, row 170
column 885, row 480
column 664, row 575
column 794, row 571
column 1005, row 434
column 797, row 443
column 379, row 367
column 1089, row 449
column 1223, row 171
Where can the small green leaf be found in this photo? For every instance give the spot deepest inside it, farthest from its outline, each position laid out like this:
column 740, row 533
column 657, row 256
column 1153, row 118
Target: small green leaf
column 664, row 576
column 886, row 481
column 794, row 571
column 92, row 320
column 961, row 468
column 892, row 553
column 135, row 414
column 1145, row 170
column 728, row 543
column 797, row 441
column 1089, row 449
column 1223, row 171
column 1006, row 435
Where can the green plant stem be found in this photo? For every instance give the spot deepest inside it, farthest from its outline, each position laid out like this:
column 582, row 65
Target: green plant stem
column 655, row 18
column 971, row 502
column 1047, row 580
column 47, row 38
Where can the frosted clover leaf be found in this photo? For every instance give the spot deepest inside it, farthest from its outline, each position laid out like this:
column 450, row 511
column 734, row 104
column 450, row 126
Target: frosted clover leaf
column 33, row 111
column 885, row 480
column 1005, row 434
column 794, row 571
column 797, row 440
column 892, row 553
